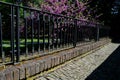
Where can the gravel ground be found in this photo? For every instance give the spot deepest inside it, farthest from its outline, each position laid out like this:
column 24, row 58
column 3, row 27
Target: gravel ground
column 88, row 67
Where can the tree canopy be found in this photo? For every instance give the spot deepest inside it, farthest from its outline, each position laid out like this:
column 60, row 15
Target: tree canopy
column 101, row 10
column 109, row 9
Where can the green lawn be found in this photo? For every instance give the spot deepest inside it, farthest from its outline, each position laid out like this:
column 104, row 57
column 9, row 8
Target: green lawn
column 6, row 43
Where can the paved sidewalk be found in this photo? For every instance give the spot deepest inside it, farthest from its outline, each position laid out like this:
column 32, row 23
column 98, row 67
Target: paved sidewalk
column 81, row 68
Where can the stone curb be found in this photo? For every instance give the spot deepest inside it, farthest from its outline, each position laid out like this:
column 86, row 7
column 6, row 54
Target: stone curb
column 33, row 67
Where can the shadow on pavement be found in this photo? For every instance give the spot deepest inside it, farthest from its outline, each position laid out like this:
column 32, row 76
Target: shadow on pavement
column 116, row 40
column 109, row 69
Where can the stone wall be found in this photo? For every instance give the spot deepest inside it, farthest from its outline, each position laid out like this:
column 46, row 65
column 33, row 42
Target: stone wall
column 36, row 66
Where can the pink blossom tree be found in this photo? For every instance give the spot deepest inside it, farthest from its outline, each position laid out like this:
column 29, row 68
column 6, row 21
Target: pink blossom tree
column 77, row 9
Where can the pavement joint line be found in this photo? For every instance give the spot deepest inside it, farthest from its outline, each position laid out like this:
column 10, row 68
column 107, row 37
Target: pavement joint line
column 67, row 62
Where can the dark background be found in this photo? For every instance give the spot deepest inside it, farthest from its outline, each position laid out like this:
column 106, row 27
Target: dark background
column 111, row 15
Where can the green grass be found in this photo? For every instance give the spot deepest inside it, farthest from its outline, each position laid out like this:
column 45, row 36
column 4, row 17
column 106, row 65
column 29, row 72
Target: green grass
column 6, row 43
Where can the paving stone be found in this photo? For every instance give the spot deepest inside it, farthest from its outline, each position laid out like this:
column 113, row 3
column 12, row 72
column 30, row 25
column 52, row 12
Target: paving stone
column 2, row 76
column 22, row 72
column 80, row 68
column 37, row 67
column 27, row 70
column 41, row 68
column 51, row 76
column 8, row 74
column 32, row 69
column 15, row 72
column 41, row 78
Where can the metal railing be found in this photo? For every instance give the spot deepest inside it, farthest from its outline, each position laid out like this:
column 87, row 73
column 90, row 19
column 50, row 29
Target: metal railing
column 27, row 32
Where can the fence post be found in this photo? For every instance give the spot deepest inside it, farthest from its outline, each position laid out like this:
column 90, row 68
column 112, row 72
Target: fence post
column 52, row 19
column 17, row 35
column 38, row 19
column 1, row 34
column 12, row 35
column 32, row 32
column 75, row 33
column 98, row 29
column 26, row 36
column 2, row 54
column 44, row 24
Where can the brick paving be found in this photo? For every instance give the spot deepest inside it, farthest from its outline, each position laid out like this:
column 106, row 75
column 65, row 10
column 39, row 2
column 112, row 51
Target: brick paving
column 81, row 68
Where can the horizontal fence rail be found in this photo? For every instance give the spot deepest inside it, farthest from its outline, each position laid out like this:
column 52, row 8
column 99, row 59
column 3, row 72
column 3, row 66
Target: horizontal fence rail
column 27, row 32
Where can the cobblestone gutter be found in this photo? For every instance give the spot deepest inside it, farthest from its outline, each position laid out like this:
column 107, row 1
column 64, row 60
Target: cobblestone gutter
column 36, row 66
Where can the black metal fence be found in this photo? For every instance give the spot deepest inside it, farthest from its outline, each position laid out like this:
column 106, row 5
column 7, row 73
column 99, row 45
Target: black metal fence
column 27, row 32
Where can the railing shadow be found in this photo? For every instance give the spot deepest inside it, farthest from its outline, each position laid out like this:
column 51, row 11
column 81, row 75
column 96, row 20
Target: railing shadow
column 109, row 69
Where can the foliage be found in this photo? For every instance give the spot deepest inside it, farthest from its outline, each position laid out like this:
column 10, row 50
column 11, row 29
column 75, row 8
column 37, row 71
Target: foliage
column 7, row 1
column 73, row 8
column 76, row 9
column 102, row 8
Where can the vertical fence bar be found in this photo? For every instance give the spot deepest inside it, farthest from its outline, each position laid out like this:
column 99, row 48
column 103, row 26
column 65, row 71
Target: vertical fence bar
column 32, row 32
column 64, row 33
column 1, row 46
column 17, row 35
column 67, row 32
column 61, row 39
column 44, row 33
column 52, row 32
column 79, row 33
column 57, row 33
column 93, row 33
column 70, row 32
column 12, row 35
column 26, row 45
column 48, row 32
column 38, row 18
column 97, row 32
column 59, row 27
column 65, row 37
column 75, row 33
